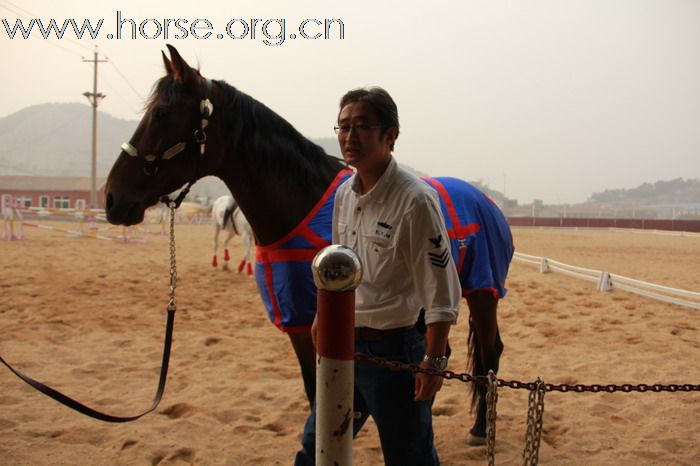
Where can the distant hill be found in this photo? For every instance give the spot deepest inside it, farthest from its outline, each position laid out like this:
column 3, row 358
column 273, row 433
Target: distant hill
column 56, row 139
column 674, row 199
column 662, row 193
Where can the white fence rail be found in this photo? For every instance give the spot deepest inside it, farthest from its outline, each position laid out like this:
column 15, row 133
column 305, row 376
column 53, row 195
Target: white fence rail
column 607, row 281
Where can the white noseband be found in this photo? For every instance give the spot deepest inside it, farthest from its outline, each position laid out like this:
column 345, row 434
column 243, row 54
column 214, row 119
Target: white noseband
column 168, row 154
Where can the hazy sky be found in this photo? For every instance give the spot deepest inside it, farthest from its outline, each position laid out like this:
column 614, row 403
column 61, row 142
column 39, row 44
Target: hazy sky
column 550, row 100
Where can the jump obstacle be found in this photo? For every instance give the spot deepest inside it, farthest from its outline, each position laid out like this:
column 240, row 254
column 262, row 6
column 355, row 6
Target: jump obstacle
column 14, row 223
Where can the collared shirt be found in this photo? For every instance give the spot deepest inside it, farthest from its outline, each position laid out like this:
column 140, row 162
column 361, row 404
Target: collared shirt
column 398, row 232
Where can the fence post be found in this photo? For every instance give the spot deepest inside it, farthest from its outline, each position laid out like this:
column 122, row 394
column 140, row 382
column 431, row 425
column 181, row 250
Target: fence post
column 605, row 282
column 337, row 271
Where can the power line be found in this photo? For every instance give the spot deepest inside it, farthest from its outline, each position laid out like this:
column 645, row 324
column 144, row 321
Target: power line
column 115, row 90
column 142, row 98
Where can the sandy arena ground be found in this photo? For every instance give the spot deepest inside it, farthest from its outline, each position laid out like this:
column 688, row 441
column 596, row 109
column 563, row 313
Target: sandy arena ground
column 87, row 317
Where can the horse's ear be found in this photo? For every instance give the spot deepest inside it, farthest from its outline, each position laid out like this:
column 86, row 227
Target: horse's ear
column 178, row 66
column 168, row 65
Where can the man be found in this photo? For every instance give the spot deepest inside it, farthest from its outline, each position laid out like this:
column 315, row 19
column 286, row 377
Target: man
column 392, row 220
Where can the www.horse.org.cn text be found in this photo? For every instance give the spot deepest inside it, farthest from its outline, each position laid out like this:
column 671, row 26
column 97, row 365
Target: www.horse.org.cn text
column 272, row 32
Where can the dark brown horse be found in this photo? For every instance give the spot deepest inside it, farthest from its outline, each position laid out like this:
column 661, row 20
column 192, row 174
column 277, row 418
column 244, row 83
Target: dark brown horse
column 194, row 127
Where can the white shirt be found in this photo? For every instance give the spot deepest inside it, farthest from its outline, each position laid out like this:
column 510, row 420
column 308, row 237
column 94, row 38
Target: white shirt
column 398, row 232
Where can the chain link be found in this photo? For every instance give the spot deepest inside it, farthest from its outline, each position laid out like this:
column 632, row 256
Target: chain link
column 491, row 401
column 533, row 431
column 483, row 380
column 173, row 268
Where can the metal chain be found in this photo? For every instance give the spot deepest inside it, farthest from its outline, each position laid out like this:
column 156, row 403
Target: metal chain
column 173, row 269
column 533, row 431
column 491, row 401
column 482, row 380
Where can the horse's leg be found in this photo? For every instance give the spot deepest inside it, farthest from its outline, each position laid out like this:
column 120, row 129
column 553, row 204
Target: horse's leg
column 227, row 257
column 485, row 348
column 215, row 243
column 248, row 240
column 306, row 354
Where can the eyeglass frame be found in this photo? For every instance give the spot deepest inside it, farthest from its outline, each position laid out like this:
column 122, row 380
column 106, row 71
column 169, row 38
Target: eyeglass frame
column 361, row 127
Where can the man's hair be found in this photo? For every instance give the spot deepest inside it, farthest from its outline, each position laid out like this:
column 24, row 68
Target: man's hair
column 380, row 101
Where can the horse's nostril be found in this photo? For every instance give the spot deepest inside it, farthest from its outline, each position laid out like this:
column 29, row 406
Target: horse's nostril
column 109, row 202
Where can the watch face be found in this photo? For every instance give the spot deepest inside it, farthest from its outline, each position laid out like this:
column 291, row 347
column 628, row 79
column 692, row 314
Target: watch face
column 439, row 363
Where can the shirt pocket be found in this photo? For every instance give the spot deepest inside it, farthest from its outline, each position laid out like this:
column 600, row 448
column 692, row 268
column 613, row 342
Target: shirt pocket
column 342, row 231
column 381, row 254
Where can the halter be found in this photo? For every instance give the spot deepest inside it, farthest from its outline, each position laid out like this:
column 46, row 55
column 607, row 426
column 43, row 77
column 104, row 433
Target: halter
column 151, row 162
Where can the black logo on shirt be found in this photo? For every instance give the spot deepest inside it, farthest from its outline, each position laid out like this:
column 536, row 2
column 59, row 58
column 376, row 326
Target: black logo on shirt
column 383, row 230
column 436, row 241
column 440, row 260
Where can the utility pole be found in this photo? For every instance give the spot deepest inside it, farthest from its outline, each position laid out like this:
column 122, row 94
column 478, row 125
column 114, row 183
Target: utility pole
column 94, row 98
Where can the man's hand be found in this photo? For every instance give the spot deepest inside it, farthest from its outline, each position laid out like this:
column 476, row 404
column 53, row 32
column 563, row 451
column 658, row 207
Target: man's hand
column 427, row 386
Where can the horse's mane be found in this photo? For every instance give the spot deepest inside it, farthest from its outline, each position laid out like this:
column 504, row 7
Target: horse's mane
column 270, row 142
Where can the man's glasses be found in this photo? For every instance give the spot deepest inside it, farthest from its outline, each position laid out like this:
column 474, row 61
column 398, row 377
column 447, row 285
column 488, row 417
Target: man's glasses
column 361, row 128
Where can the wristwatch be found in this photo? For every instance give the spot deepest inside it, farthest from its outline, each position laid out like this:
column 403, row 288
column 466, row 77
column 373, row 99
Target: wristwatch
column 436, row 362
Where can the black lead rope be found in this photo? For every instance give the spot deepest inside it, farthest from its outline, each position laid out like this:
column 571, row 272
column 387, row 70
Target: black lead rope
column 86, row 410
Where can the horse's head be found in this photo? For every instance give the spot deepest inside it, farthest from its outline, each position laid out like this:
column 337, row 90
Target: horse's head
column 164, row 152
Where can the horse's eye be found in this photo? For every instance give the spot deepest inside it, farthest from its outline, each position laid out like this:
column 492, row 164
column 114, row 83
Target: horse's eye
column 159, row 113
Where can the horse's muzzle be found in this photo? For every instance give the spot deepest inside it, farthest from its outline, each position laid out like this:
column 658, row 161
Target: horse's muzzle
column 123, row 211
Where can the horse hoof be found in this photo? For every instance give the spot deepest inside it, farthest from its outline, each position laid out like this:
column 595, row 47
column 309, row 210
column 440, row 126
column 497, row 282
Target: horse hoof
column 476, row 441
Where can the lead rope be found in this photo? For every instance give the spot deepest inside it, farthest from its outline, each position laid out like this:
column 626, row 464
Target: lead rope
column 86, row 410
column 173, row 269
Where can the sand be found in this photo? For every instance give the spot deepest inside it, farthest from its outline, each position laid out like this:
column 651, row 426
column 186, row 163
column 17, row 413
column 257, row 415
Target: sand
column 87, row 317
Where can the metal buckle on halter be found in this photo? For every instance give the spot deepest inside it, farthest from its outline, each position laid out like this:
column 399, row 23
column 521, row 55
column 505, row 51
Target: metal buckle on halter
column 206, row 108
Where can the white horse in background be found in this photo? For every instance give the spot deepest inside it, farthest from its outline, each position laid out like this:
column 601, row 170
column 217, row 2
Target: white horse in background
column 227, row 216
column 10, row 215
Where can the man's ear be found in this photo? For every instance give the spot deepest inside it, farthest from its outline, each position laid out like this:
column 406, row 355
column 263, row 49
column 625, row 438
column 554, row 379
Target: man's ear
column 392, row 134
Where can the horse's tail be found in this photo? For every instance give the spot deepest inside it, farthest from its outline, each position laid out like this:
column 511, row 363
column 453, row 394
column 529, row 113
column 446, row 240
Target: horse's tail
column 474, row 363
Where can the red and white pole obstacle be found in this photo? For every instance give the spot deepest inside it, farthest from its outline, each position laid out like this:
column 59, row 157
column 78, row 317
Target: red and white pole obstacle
column 337, row 272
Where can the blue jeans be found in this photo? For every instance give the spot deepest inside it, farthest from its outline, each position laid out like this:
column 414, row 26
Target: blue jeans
column 405, row 426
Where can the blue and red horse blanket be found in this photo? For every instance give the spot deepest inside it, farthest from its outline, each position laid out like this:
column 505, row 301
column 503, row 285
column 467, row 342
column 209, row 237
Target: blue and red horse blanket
column 480, row 243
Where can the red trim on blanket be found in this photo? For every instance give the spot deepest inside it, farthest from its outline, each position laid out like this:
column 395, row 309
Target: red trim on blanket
column 493, row 291
column 297, row 230
column 285, row 255
column 266, row 255
column 295, row 329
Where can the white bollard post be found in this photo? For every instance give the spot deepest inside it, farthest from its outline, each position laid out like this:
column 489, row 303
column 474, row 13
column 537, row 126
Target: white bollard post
column 605, row 282
column 337, row 272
